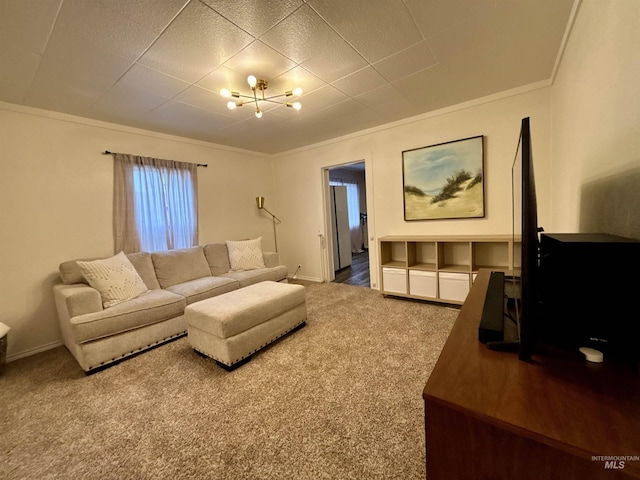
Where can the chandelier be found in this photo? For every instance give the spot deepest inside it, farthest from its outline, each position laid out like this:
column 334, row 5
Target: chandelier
column 258, row 87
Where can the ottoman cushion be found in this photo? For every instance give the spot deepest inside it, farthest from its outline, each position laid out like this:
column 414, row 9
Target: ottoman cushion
column 234, row 312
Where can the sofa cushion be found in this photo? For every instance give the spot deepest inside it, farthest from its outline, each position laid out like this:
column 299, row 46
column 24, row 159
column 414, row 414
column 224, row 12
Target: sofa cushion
column 70, row 271
column 249, row 277
column 206, row 287
column 144, row 266
column 245, row 254
column 115, row 278
column 149, row 308
column 217, row 257
column 179, row 266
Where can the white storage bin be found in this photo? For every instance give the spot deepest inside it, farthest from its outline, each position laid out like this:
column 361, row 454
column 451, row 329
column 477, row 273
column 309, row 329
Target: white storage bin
column 394, row 280
column 453, row 286
column 422, row 283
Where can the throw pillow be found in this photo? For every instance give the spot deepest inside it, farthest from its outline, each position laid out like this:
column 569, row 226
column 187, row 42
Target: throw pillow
column 115, row 278
column 245, row 254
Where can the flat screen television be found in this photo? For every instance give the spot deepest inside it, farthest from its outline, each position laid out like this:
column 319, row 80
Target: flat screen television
column 525, row 225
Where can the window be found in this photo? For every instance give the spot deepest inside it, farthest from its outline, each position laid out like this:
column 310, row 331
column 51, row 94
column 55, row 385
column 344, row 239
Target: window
column 155, row 204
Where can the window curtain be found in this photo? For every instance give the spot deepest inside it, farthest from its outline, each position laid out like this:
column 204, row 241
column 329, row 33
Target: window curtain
column 154, row 203
column 353, row 207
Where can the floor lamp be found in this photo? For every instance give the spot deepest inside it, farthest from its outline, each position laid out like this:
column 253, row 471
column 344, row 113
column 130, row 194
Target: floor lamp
column 260, row 203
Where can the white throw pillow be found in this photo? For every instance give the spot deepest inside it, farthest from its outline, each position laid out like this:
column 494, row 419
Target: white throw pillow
column 115, row 278
column 245, row 254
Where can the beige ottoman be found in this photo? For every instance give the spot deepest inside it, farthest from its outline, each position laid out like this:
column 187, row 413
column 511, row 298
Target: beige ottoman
column 231, row 327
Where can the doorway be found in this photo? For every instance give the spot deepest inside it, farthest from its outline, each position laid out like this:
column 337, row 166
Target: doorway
column 347, row 224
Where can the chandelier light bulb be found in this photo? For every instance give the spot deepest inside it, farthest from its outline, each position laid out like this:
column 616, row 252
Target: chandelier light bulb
column 231, row 105
column 258, row 113
column 252, row 81
column 296, row 105
column 225, row 93
column 297, row 91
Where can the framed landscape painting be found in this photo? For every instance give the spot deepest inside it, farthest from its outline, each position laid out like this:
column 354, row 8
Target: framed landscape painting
column 444, row 181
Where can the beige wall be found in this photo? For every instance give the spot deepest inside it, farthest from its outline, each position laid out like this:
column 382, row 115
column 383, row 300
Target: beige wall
column 56, row 205
column 596, row 122
column 297, row 175
column 55, row 187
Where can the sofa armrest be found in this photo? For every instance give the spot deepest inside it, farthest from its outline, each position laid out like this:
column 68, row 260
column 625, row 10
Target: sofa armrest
column 271, row 259
column 76, row 299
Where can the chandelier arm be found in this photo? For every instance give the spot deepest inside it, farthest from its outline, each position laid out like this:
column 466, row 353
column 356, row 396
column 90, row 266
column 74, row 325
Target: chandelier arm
column 277, row 96
column 272, row 101
column 244, row 96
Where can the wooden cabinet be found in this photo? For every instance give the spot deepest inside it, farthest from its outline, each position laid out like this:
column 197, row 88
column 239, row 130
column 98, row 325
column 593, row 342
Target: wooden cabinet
column 409, row 265
column 489, row 415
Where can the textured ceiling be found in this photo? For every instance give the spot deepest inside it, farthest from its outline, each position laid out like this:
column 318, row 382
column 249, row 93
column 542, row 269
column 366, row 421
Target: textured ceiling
column 160, row 64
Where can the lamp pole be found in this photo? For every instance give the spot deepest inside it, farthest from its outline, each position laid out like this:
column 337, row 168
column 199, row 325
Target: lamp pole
column 260, row 203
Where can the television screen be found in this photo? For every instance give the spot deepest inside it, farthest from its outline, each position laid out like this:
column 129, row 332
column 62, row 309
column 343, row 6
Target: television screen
column 525, row 225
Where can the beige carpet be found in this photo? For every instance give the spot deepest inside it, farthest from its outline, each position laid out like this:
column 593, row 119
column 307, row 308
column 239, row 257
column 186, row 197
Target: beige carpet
column 338, row 399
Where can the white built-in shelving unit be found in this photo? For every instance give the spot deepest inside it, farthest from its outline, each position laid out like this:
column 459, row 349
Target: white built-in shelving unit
column 442, row 268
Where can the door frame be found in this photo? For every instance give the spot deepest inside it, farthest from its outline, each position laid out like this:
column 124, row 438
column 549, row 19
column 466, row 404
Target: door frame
column 328, row 268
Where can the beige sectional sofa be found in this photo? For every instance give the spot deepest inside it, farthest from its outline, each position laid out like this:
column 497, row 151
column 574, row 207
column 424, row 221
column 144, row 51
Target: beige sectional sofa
column 98, row 336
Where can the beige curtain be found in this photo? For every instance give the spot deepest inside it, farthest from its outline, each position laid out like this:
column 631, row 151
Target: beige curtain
column 155, row 204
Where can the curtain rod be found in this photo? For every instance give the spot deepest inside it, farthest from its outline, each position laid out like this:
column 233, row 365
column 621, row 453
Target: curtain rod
column 107, row 152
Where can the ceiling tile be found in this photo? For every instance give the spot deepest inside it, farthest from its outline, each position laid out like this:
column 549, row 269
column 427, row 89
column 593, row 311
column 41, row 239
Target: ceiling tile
column 88, row 62
column 434, row 16
column 375, row 98
column 23, row 66
column 123, row 99
column 375, row 29
column 434, row 87
column 222, row 77
column 322, row 98
column 184, row 118
column 407, row 62
column 307, row 40
column 254, row 16
column 140, row 77
column 260, row 60
column 61, row 80
column 297, row 77
column 91, row 28
column 153, row 15
column 476, row 46
column 198, row 41
column 27, row 24
column 203, row 98
column 360, row 82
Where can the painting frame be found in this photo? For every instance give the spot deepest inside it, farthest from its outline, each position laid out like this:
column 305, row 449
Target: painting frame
column 444, row 181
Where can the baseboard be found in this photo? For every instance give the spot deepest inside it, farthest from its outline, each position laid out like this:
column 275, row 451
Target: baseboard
column 302, row 277
column 33, row 351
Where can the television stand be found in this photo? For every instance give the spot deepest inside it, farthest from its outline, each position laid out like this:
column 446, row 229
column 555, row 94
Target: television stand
column 490, row 415
column 504, row 346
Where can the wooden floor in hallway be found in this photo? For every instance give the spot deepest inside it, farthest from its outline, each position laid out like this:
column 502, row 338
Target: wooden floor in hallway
column 357, row 273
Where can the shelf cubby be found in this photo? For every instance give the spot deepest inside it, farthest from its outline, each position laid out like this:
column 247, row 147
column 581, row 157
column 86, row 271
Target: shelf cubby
column 393, row 254
column 422, row 256
column 492, row 255
column 454, row 256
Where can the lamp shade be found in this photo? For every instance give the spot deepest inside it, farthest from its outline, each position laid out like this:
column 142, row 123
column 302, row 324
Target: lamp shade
column 260, row 202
